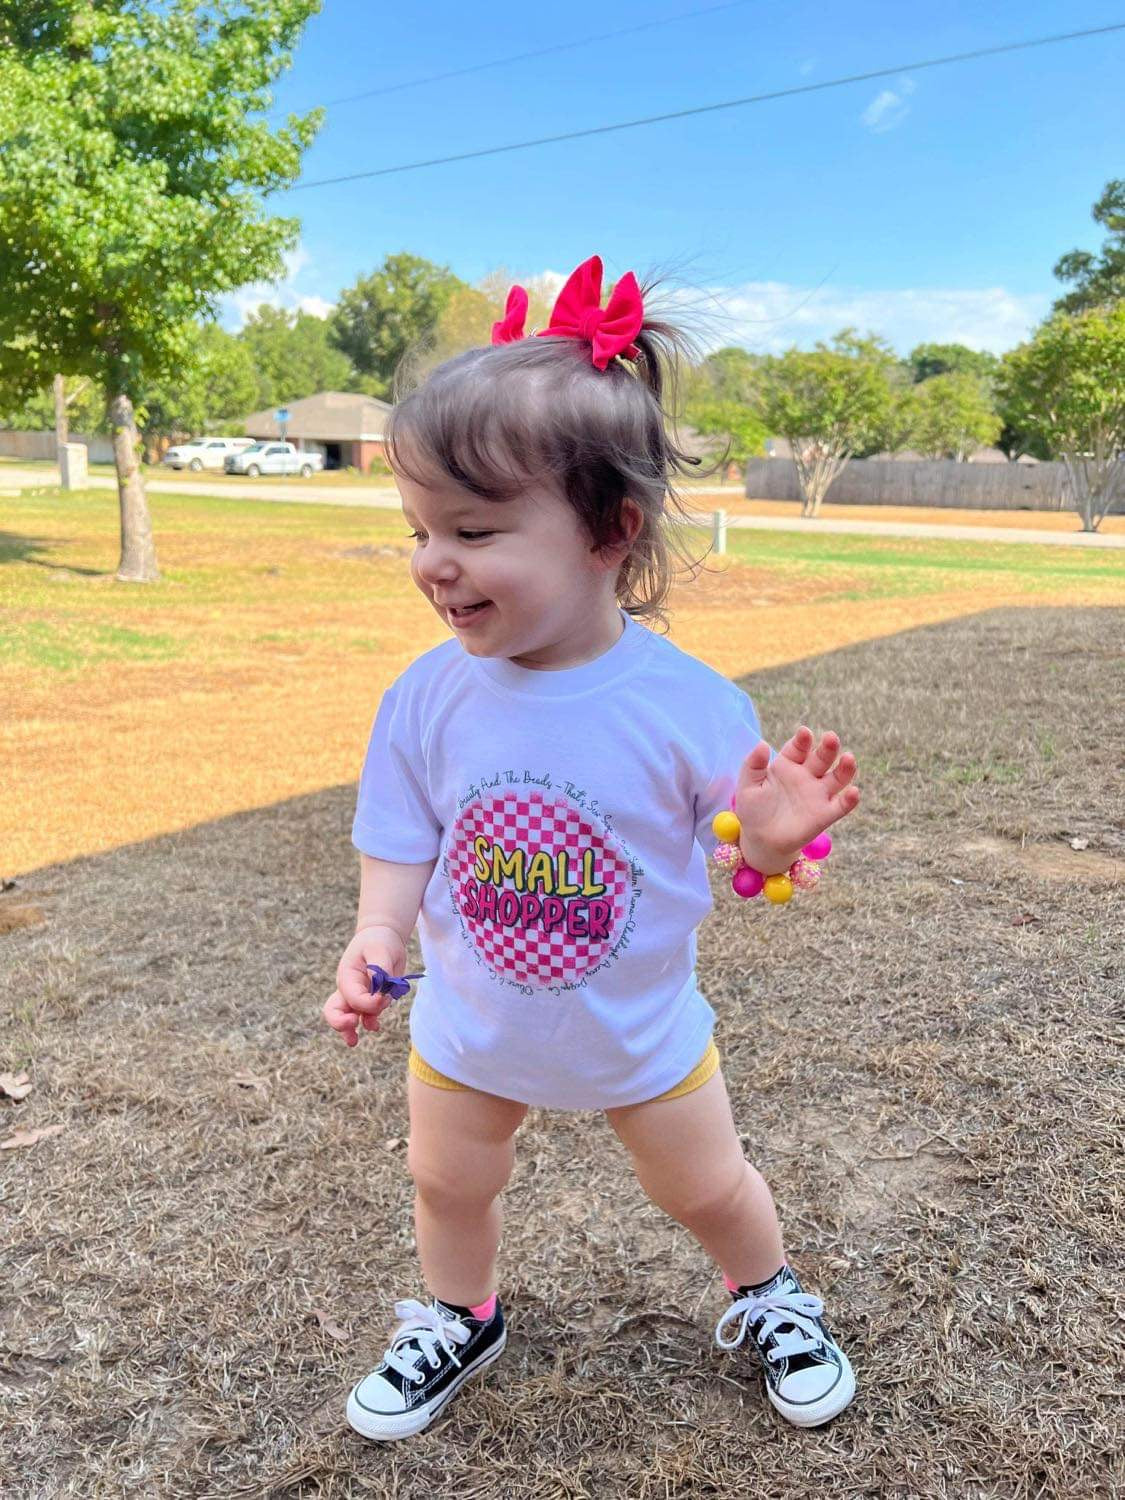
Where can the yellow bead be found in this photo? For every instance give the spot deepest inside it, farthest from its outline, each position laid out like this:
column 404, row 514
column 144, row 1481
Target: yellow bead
column 726, row 827
column 778, row 889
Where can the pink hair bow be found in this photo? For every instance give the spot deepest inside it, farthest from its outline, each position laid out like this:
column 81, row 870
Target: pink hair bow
column 578, row 314
column 510, row 326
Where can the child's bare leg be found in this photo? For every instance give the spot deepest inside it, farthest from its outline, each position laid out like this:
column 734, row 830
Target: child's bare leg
column 461, row 1155
column 689, row 1160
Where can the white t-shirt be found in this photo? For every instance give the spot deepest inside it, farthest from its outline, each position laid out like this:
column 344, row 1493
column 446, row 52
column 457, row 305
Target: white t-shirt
column 570, row 816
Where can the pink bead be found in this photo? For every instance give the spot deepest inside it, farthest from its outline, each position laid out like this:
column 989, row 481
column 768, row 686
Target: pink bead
column 729, row 855
column 804, row 874
column 748, row 882
column 733, row 800
column 820, row 848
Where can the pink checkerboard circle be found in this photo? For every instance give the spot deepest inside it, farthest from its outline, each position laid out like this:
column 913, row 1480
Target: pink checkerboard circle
column 556, row 943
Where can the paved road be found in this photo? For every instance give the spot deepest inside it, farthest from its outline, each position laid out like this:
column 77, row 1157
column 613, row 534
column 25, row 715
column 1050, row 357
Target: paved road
column 15, row 478
column 386, row 498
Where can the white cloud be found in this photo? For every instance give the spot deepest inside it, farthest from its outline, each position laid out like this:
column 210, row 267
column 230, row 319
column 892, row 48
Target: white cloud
column 236, row 307
column 316, row 305
column 889, row 108
column 771, row 316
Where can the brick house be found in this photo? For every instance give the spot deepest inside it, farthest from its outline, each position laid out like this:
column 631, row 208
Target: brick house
column 345, row 427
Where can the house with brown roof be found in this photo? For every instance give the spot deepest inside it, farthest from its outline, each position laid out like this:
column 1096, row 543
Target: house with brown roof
column 345, row 426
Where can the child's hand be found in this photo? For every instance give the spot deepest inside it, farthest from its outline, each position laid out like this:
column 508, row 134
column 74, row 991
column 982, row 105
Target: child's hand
column 352, row 998
column 782, row 805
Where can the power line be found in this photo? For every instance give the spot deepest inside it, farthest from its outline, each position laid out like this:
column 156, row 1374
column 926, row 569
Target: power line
column 703, row 109
column 500, row 62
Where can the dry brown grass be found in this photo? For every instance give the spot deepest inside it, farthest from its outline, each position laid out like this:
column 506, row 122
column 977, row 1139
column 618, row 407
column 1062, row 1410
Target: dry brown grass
column 921, row 1057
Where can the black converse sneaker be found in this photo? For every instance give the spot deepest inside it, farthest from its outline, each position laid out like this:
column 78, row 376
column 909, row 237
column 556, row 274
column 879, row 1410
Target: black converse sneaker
column 808, row 1377
column 432, row 1352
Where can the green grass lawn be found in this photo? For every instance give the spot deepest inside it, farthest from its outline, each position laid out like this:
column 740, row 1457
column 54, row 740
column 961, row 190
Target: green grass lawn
column 225, row 563
column 910, row 566
column 251, row 667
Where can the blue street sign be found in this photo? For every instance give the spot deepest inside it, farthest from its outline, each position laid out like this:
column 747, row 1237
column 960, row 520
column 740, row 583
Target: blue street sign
column 281, row 414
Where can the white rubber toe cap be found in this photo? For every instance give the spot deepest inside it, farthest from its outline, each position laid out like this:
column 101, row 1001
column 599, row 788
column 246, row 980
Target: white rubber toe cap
column 379, row 1396
column 811, row 1412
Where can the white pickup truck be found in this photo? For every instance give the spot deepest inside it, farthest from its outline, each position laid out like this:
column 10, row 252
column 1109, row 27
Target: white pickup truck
column 273, row 458
column 203, row 453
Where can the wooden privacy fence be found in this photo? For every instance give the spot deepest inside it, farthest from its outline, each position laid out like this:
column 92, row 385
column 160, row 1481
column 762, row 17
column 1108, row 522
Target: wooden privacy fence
column 42, row 445
column 939, row 482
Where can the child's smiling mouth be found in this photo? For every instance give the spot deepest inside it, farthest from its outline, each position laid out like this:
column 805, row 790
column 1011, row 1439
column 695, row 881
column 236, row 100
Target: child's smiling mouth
column 461, row 615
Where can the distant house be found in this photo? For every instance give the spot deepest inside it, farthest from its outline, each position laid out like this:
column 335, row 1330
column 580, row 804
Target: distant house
column 345, row 427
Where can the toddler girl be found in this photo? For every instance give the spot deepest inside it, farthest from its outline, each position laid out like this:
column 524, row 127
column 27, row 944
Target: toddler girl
column 539, row 791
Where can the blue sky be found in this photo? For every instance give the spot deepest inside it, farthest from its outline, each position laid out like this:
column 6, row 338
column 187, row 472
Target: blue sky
column 928, row 205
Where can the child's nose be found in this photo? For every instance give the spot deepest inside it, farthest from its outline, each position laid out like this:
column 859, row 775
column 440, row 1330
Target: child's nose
column 436, row 565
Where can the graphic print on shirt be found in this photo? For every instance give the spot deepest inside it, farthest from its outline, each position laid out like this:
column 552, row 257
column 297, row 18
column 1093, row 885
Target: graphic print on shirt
column 545, row 889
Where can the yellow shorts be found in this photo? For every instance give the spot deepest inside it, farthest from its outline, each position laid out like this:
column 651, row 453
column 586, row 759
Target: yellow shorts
column 703, row 1070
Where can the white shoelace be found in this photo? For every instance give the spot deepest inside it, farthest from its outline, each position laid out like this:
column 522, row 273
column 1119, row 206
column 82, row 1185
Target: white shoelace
column 795, row 1308
column 426, row 1327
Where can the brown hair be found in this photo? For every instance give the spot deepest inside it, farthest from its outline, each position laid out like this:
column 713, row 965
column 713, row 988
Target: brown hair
column 537, row 410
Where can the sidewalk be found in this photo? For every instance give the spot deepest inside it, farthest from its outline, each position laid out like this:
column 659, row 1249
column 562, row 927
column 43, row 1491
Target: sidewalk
column 14, row 478
column 19, row 478
column 940, row 532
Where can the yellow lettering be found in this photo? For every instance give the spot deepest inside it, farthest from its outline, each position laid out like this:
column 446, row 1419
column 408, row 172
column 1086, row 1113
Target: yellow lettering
column 589, row 888
column 565, row 886
column 507, row 864
column 551, row 877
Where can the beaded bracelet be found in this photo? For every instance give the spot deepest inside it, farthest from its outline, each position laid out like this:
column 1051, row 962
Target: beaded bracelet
column 746, row 882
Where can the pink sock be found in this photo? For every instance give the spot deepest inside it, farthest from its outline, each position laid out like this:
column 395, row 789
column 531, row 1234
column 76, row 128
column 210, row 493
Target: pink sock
column 733, row 1286
column 484, row 1310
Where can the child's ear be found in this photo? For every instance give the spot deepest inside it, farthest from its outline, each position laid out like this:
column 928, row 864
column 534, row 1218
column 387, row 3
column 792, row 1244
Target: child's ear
column 630, row 521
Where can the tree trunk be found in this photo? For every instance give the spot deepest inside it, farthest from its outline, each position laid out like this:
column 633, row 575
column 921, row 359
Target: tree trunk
column 1078, row 484
column 138, row 554
column 817, row 468
column 62, row 422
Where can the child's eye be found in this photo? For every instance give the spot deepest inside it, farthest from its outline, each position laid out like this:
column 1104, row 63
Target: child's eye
column 469, row 536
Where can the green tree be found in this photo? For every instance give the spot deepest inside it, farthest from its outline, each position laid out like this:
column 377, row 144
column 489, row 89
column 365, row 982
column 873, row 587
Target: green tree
column 85, row 409
column 1098, row 281
column 394, row 310
column 927, row 360
column 740, row 429
column 729, row 374
column 718, row 398
column 953, row 415
column 214, row 386
column 830, row 404
column 1067, row 386
column 133, row 161
column 465, row 322
column 293, row 355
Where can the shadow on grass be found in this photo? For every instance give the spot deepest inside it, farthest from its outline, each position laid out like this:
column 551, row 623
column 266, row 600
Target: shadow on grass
column 28, row 549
